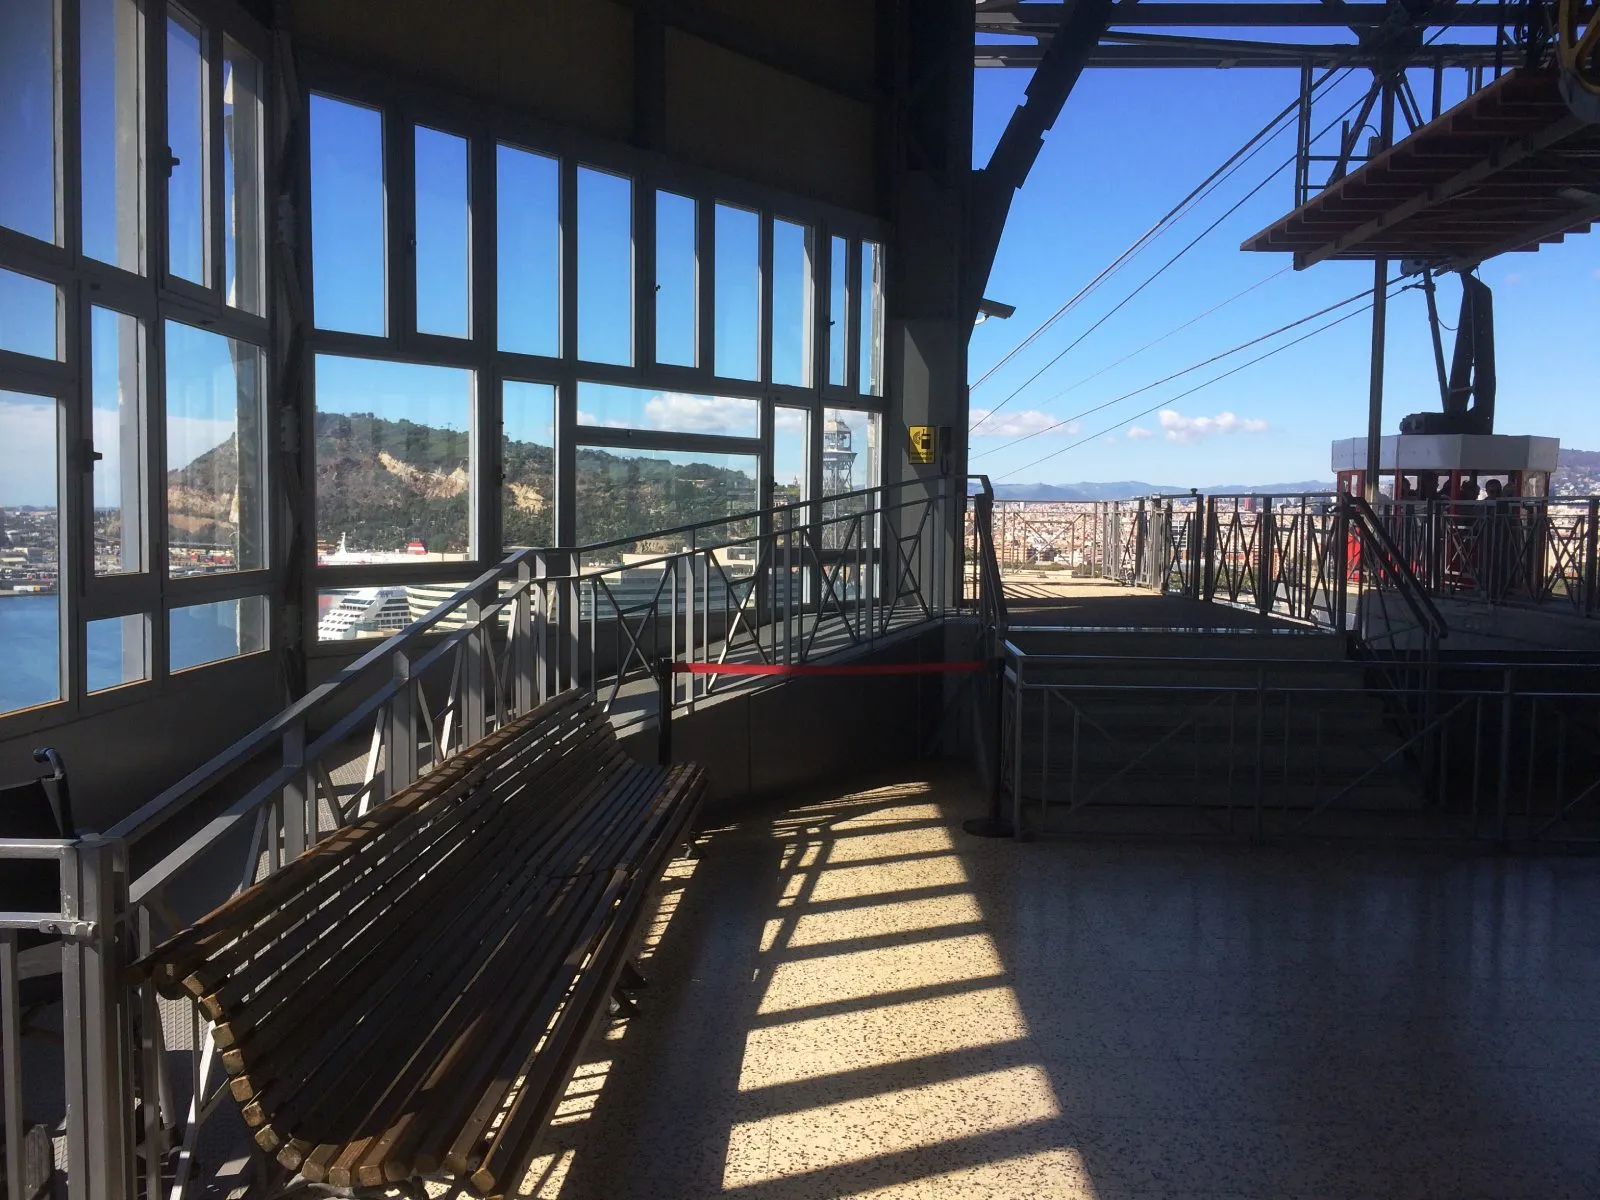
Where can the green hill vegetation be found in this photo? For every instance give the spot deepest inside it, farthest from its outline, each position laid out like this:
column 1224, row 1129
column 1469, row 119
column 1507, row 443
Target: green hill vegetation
column 381, row 483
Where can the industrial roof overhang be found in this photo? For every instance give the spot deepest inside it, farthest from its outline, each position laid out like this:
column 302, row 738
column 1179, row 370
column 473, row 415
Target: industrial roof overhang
column 1509, row 168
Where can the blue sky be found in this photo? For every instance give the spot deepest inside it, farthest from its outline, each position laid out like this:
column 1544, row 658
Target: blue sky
column 1127, row 147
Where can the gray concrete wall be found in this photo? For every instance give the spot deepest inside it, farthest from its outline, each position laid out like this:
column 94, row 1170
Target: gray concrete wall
column 121, row 757
column 768, row 741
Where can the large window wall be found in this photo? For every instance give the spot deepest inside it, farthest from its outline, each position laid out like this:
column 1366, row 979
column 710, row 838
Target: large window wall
column 522, row 337
column 134, row 520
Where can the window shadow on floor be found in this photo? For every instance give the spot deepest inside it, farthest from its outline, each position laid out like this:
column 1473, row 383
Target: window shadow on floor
column 851, row 997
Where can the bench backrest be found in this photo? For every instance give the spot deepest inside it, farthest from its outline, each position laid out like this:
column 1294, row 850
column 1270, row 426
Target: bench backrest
column 408, row 850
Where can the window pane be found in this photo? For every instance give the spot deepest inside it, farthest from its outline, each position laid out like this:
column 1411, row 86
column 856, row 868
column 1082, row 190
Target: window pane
column 206, row 633
column 738, row 293
column 346, row 614
column 242, row 178
column 605, row 267
column 792, row 303
column 677, row 271
column 30, row 532
column 394, row 461
column 849, row 450
column 348, row 285
column 444, row 234
column 117, row 396
column 28, row 126
column 186, row 141
column 871, row 366
column 527, row 462
column 625, row 493
column 30, row 315
column 613, row 406
column 838, row 311
column 216, row 499
column 528, row 266
column 112, row 126
column 118, row 651
column 791, row 454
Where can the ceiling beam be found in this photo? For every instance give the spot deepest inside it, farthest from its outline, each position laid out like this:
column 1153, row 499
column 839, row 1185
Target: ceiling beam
column 1040, row 19
column 1235, row 54
column 993, row 188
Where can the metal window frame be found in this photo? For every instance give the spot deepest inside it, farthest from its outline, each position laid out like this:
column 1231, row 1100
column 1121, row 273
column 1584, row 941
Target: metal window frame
column 154, row 297
column 404, row 103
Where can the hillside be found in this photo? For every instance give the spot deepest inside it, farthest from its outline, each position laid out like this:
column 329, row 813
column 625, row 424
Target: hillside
column 1578, row 473
column 381, row 484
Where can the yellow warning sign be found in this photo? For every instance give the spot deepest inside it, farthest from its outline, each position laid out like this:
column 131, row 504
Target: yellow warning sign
column 920, row 445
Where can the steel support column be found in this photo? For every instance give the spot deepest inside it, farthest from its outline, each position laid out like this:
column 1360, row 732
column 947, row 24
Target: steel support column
column 1380, row 319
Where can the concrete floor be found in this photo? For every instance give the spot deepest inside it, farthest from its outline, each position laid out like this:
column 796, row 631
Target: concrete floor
column 854, row 998
column 1056, row 598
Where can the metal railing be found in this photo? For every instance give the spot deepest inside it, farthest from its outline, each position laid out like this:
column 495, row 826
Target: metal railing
column 1277, row 747
column 787, row 585
column 1276, row 554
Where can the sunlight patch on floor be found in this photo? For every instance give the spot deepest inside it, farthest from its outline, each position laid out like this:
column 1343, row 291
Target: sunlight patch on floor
column 1056, row 1174
column 856, row 1130
column 879, row 1036
column 894, row 916
column 864, row 974
column 885, row 879
column 889, row 1032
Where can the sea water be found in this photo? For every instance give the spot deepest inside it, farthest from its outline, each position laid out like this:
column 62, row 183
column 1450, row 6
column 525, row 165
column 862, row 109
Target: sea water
column 30, row 648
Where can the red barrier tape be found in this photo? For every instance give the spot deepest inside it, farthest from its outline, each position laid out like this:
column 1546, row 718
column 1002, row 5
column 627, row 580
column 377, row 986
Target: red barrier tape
column 939, row 668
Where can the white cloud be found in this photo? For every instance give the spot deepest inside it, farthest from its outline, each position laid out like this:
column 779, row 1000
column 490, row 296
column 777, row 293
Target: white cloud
column 1139, row 431
column 1179, row 428
column 1018, row 424
column 27, row 449
column 789, row 420
column 680, row 412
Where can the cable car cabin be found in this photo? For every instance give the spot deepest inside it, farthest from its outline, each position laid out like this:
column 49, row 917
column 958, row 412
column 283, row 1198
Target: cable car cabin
column 1468, row 509
column 1457, row 467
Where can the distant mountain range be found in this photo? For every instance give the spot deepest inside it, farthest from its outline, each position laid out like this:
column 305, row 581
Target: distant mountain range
column 1128, row 489
column 1578, row 475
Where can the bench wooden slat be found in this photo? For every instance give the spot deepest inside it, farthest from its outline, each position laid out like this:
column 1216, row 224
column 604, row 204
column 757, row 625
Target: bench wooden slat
column 456, row 942
column 379, row 993
column 399, row 910
column 429, row 835
column 409, row 997
column 184, row 948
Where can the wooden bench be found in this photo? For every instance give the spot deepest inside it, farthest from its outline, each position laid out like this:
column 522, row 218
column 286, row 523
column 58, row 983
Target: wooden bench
column 409, row 998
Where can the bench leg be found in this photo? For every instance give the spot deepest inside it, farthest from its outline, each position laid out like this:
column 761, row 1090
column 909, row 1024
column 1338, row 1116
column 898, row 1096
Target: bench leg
column 622, row 1004
column 631, row 979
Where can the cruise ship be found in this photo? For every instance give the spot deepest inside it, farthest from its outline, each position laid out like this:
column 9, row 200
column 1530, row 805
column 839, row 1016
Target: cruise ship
column 366, row 612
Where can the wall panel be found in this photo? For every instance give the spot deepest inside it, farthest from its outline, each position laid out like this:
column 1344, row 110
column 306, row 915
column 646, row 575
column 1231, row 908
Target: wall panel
column 571, row 62
column 731, row 114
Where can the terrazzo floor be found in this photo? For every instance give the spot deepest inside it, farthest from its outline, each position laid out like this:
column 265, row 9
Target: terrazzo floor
column 854, row 998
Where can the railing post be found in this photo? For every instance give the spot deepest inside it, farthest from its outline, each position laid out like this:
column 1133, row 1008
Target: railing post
column 1141, row 538
column 1503, row 786
column 99, row 1088
column 1266, row 543
column 474, row 678
column 1016, row 752
column 299, row 795
column 1210, row 552
column 400, row 744
column 1591, row 538
column 523, row 656
column 1339, row 586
